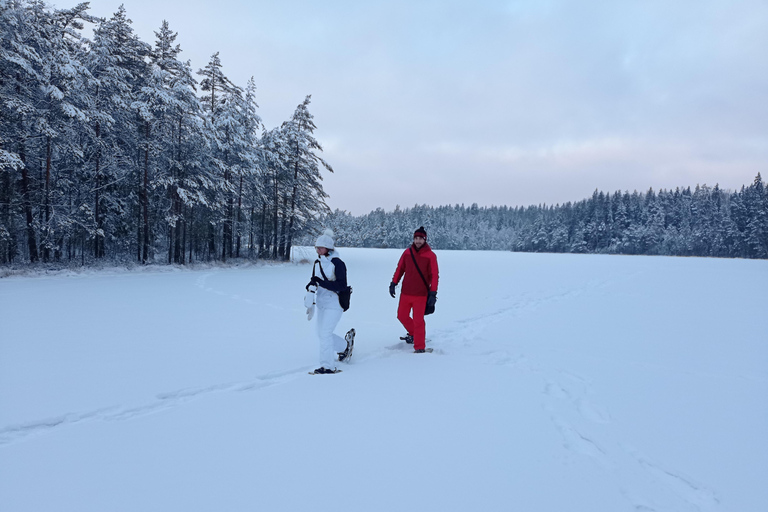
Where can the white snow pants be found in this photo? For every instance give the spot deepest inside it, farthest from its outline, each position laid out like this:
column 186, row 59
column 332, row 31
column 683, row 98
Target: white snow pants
column 330, row 343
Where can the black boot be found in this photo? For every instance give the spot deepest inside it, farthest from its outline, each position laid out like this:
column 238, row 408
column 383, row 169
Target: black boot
column 325, row 371
column 408, row 339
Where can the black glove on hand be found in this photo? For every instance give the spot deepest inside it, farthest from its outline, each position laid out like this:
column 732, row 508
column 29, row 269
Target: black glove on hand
column 392, row 289
column 431, row 299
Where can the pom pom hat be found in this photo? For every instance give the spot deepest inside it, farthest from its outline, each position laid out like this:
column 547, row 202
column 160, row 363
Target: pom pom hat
column 325, row 240
column 421, row 232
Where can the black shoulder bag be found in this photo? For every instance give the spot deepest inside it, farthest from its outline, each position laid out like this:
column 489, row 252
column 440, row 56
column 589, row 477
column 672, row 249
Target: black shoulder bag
column 429, row 309
column 344, row 295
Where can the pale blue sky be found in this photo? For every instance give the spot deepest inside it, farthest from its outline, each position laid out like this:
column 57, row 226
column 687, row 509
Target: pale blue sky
column 497, row 102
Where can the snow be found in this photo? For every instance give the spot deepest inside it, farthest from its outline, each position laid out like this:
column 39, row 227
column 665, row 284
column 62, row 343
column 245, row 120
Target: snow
column 557, row 383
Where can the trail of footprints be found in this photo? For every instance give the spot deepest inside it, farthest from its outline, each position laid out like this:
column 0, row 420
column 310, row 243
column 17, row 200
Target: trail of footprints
column 14, row 433
column 585, row 428
column 588, row 430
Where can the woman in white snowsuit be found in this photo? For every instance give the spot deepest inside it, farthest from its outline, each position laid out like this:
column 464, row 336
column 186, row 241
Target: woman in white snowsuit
column 329, row 277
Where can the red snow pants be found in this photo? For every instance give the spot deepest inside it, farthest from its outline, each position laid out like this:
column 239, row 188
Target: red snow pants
column 415, row 326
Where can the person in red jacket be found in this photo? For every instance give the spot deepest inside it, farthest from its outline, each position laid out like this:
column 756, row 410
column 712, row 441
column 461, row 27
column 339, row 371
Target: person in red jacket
column 419, row 291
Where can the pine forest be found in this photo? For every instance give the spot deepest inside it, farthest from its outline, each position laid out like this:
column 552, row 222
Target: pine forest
column 114, row 148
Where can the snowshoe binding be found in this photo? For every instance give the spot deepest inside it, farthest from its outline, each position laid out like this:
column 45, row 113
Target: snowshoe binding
column 407, row 338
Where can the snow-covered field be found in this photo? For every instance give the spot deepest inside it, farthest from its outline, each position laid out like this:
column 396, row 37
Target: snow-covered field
column 558, row 383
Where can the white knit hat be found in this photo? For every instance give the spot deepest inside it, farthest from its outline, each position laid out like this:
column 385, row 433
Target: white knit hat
column 325, row 240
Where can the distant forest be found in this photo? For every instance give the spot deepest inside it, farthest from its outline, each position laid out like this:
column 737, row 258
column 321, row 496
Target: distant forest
column 705, row 221
column 113, row 148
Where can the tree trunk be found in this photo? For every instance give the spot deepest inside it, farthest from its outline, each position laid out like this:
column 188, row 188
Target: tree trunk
column 46, row 246
column 250, row 235
column 31, row 239
column 237, row 220
column 289, row 234
column 283, row 232
column 182, row 234
column 171, row 232
column 274, row 222
column 5, row 203
column 211, row 241
column 145, row 197
column 97, row 246
column 181, row 231
column 191, row 238
column 263, row 235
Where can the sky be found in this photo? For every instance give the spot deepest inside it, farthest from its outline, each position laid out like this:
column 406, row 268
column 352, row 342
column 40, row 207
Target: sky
column 491, row 102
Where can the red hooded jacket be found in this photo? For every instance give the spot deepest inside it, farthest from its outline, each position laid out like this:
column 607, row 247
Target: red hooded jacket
column 413, row 284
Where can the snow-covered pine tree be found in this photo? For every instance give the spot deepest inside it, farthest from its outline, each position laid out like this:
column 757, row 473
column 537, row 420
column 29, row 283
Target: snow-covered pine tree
column 56, row 112
column 219, row 107
column 275, row 150
column 307, row 197
column 151, row 103
column 179, row 100
column 185, row 152
column 251, row 161
column 233, row 140
column 116, row 61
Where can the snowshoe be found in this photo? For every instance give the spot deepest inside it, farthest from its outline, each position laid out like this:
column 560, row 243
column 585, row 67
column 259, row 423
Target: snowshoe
column 422, row 350
column 347, row 354
column 407, row 338
column 324, row 371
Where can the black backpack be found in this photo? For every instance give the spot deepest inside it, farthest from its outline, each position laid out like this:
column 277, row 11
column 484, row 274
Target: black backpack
column 344, row 296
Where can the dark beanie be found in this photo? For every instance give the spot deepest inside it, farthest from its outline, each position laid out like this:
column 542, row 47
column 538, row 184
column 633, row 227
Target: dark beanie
column 421, row 232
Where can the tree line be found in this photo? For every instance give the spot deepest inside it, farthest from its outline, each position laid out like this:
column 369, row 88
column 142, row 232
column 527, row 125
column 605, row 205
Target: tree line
column 705, row 221
column 114, row 148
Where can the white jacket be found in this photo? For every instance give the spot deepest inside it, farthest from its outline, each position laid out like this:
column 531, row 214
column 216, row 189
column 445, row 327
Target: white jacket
column 326, row 299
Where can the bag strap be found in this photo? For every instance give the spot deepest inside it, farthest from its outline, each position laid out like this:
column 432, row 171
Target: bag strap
column 321, row 269
column 417, row 268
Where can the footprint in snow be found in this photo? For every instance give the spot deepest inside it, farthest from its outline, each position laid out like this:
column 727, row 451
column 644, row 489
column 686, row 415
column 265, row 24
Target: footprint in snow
column 575, row 441
column 697, row 494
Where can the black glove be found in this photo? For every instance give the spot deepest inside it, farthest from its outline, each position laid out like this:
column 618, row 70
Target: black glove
column 392, row 289
column 431, row 299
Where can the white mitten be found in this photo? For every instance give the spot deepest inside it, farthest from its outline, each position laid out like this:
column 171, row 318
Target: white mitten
column 310, row 312
column 309, row 298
